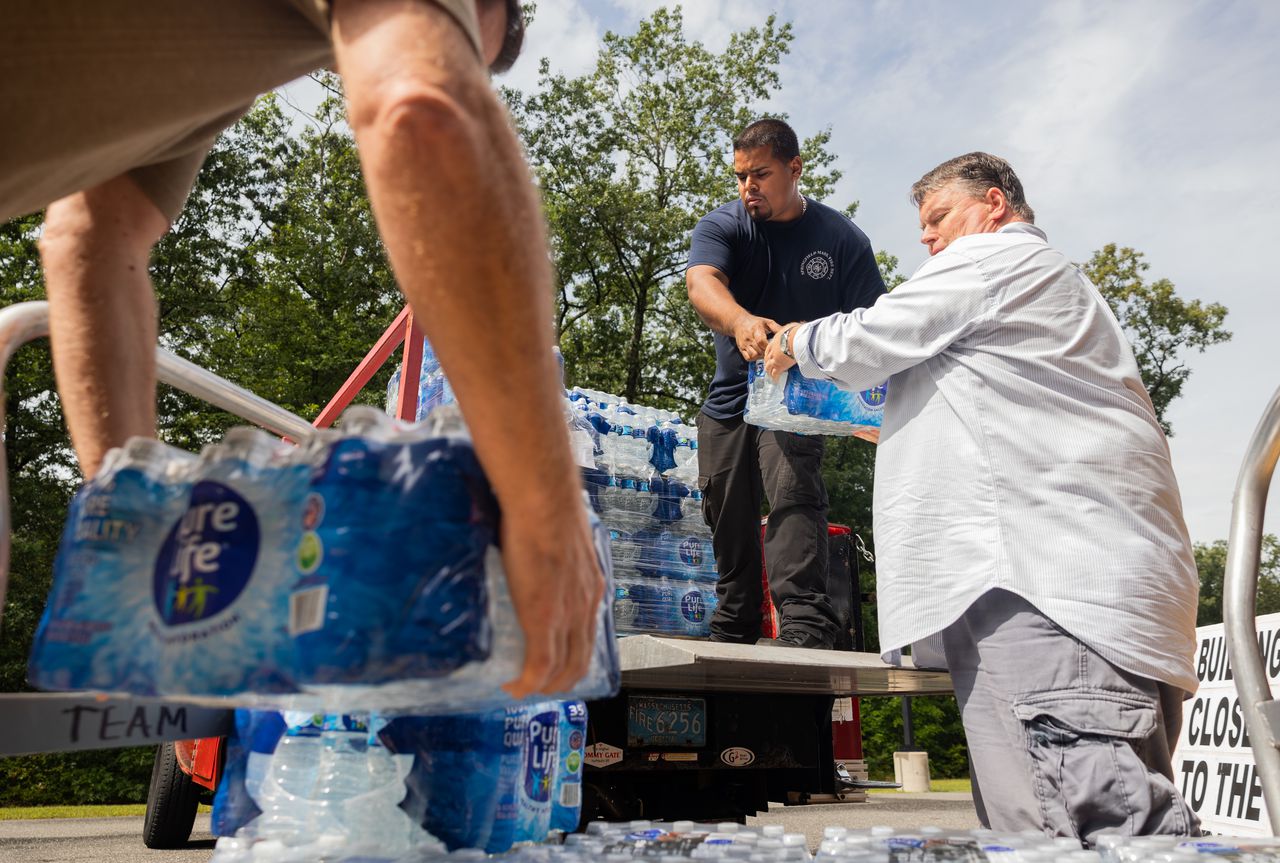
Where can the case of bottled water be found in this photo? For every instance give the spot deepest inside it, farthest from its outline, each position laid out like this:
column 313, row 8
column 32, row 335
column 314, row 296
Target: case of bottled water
column 643, row 487
column 325, row 788
column 359, row 569
column 807, row 406
column 433, row 387
column 382, row 786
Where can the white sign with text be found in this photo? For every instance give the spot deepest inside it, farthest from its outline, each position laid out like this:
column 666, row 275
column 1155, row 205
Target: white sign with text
column 1213, row 762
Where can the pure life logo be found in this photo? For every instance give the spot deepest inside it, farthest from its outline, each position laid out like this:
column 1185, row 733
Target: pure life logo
column 208, row 556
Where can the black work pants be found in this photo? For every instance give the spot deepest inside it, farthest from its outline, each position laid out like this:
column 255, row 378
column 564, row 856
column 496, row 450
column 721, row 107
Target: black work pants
column 738, row 466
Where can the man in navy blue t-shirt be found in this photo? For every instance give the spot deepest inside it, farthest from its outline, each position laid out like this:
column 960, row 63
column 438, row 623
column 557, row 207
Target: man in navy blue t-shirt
column 770, row 256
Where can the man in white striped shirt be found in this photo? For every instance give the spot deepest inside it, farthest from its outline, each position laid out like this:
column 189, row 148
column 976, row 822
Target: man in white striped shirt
column 1026, row 509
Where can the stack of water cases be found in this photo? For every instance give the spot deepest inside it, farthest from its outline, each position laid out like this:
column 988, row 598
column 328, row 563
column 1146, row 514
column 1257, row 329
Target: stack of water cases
column 300, row 787
column 799, row 404
column 360, row 569
column 433, row 387
column 643, row 486
column 640, row 466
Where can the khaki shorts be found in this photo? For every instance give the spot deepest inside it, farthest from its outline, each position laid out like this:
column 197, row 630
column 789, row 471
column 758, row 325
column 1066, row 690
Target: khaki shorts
column 94, row 89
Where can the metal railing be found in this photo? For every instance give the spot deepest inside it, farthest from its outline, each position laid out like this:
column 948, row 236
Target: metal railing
column 1239, row 596
column 25, row 322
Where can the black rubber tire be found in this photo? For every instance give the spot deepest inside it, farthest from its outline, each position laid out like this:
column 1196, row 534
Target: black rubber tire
column 172, row 801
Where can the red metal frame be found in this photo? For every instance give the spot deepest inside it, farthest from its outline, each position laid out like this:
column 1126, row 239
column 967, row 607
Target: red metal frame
column 395, row 335
column 202, row 759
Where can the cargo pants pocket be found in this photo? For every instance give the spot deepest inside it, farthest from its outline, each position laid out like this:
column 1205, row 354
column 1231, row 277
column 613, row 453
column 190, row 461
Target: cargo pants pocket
column 1087, row 764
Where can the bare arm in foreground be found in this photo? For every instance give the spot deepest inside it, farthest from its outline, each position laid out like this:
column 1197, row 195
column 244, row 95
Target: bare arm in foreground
column 464, row 232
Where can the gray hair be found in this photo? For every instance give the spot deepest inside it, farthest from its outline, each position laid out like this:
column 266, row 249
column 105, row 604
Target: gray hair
column 976, row 172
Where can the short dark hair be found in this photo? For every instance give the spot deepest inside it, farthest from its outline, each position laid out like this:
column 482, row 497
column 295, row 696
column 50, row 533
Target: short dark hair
column 977, row 172
column 512, row 39
column 772, row 133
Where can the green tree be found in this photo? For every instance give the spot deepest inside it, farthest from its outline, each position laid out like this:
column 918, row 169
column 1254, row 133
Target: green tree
column 41, row 476
column 1211, row 562
column 629, row 156
column 935, row 724
column 1161, row 326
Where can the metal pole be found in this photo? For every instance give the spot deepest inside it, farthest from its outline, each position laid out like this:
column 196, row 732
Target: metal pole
column 189, row 377
column 1239, row 596
column 19, row 324
column 25, row 322
column 908, row 734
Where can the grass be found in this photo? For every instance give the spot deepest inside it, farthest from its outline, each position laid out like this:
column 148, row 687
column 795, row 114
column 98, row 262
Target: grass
column 934, row 785
column 133, row 810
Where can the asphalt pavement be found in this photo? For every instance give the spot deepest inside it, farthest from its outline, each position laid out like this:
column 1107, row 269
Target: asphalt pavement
column 119, row 840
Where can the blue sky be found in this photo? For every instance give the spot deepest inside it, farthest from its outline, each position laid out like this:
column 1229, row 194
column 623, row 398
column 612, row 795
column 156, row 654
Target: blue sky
column 1153, row 124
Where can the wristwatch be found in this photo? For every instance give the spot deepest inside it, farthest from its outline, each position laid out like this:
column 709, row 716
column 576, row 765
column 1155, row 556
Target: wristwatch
column 786, row 342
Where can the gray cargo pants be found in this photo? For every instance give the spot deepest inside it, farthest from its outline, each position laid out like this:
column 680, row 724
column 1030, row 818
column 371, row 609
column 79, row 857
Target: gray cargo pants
column 1060, row 740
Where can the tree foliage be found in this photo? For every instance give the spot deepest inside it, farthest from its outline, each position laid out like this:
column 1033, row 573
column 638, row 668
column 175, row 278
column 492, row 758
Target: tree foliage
column 1211, row 562
column 1161, row 326
column 936, row 729
column 629, row 156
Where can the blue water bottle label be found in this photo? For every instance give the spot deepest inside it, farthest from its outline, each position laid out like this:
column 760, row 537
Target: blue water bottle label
column 207, row 558
column 541, row 750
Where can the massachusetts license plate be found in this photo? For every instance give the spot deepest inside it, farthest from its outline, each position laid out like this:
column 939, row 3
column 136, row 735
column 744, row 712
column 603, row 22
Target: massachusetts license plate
column 666, row 721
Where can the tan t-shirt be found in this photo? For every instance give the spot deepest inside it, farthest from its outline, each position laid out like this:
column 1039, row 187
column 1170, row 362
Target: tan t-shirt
column 92, row 91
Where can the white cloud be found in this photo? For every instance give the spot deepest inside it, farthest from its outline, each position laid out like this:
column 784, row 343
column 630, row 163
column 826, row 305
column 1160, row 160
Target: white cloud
column 567, row 32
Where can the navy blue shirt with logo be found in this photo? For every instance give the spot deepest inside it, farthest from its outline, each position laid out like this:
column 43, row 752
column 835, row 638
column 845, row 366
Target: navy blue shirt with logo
column 801, row 270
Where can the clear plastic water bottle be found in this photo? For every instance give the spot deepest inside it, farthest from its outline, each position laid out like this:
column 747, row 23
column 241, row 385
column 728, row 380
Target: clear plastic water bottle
column 331, row 789
column 393, row 392
column 629, row 593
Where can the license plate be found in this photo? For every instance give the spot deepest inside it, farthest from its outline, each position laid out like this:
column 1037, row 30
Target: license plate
column 666, row 721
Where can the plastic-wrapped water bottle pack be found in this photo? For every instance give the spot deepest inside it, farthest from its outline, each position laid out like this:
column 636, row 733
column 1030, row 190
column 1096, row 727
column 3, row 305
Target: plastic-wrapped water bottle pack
column 299, row 787
column 358, row 569
column 1174, row 849
column 664, row 566
column 433, row 387
column 640, row 467
column 807, row 406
